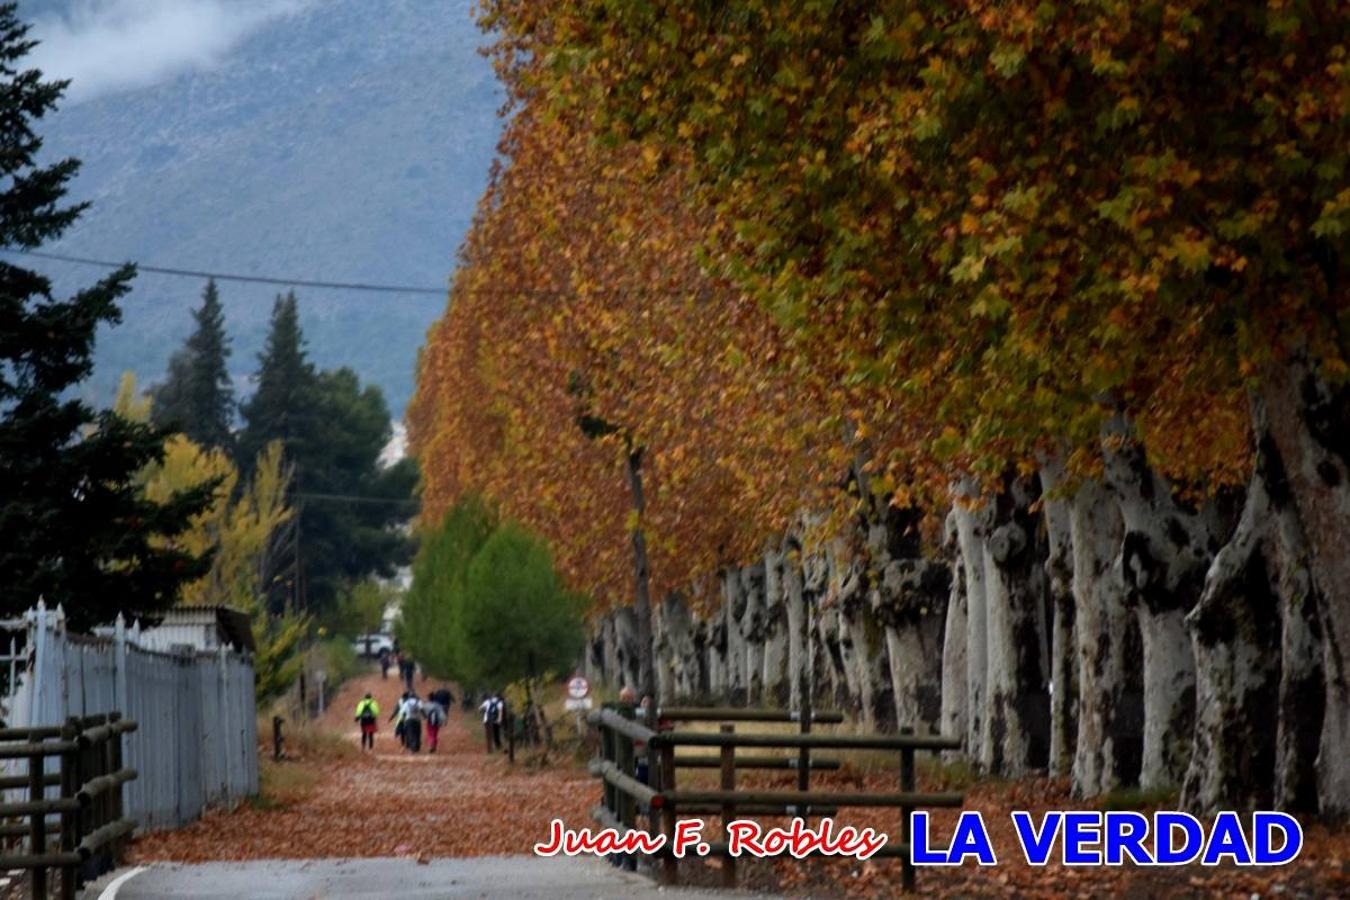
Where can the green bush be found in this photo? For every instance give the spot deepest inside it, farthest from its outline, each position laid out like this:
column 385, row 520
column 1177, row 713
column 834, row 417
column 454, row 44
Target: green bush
column 442, row 562
column 516, row 618
column 486, row 605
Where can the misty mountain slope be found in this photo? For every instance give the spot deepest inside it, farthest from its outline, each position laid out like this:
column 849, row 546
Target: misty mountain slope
column 343, row 141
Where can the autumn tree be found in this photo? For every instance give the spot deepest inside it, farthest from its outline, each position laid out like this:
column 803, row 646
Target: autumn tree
column 1105, row 235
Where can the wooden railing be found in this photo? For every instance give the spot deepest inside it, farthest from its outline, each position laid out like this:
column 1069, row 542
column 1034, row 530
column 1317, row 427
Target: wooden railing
column 83, row 795
column 638, row 766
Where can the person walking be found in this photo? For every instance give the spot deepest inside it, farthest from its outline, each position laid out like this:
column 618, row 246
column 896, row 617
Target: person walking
column 435, row 715
column 397, row 717
column 498, row 719
column 488, row 709
column 407, row 669
column 385, row 662
column 367, row 716
column 412, row 723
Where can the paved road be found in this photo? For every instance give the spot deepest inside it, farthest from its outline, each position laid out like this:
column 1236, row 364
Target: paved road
column 483, row 876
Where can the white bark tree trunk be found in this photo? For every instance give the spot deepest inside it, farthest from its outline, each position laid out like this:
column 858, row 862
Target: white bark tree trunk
column 1064, row 651
column 1235, row 633
column 733, row 607
column 910, row 603
column 1102, row 623
column 795, row 609
column 1310, row 426
column 752, row 631
column 954, row 692
column 970, row 536
column 1167, row 551
column 1013, row 741
column 774, row 673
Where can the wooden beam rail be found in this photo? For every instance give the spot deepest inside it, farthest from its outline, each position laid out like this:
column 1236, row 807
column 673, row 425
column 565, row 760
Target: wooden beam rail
column 754, row 762
column 638, row 765
column 85, row 817
column 813, row 741
column 735, row 714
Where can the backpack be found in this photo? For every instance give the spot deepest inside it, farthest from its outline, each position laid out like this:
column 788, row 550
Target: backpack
column 367, row 714
column 435, row 715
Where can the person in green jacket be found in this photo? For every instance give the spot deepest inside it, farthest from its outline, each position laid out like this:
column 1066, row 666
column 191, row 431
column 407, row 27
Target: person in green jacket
column 368, row 717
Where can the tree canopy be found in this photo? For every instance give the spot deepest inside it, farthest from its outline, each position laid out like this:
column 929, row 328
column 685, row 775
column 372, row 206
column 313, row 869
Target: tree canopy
column 197, row 397
column 74, row 527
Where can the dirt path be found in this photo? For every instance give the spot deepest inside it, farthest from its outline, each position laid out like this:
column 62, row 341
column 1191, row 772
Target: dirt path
column 458, row 802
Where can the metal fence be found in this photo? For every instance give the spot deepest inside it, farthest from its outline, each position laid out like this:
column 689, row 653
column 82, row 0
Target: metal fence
column 197, row 741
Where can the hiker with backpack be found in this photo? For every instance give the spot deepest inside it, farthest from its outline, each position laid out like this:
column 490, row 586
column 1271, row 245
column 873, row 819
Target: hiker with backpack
column 435, row 716
column 367, row 716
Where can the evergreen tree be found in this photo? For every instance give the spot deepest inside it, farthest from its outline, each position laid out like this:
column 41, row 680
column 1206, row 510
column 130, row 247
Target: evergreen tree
column 197, row 397
column 332, row 431
column 286, row 380
column 75, row 527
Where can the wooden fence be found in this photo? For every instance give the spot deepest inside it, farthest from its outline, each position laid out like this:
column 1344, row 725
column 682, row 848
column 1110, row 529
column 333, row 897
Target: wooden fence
column 68, row 816
column 638, row 766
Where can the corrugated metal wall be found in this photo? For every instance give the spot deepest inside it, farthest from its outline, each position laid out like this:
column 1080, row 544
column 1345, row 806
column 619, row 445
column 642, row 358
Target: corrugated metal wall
column 197, row 741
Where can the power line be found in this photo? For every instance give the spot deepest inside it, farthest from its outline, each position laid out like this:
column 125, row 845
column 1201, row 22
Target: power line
column 353, row 286
column 250, row 279
column 350, row 498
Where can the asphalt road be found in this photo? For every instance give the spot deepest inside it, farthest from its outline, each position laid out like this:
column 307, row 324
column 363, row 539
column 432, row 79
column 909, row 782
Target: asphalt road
column 484, row 876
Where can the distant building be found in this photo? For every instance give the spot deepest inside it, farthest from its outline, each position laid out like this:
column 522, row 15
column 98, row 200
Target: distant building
column 201, row 628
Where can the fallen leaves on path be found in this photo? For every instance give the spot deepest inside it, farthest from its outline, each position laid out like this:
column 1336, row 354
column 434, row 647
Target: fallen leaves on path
column 457, row 802
column 463, row 802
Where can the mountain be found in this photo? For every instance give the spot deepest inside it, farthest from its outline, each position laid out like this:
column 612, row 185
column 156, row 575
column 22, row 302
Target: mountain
column 333, row 140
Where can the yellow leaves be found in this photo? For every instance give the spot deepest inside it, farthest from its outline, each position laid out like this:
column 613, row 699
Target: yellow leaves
column 739, row 59
column 1191, row 251
column 969, row 269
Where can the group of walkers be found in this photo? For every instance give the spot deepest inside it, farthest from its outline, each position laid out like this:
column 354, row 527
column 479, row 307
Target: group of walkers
column 410, row 715
column 407, row 667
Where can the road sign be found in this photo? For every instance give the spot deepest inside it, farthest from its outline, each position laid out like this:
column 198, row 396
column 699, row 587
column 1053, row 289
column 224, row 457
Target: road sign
column 577, row 703
column 578, row 687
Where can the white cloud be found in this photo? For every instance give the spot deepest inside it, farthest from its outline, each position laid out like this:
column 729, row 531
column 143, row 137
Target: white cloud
column 111, row 45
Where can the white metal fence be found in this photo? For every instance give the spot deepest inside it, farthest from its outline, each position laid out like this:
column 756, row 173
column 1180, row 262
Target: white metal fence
column 197, row 741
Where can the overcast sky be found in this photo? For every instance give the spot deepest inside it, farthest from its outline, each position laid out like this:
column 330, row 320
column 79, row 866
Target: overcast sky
column 112, row 45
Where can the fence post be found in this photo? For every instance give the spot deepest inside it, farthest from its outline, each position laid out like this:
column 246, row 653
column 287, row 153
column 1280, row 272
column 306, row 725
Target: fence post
column 728, row 808
column 906, row 786
column 607, row 754
column 116, row 803
column 37, row 823
column 627, row 805
column 276, row 737
column 70, row 783
column 669, row 863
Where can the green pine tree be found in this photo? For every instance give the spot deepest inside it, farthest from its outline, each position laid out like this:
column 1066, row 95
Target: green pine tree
column 284, row 399
column 333, row 430
column 74, row 527
column 197, row 398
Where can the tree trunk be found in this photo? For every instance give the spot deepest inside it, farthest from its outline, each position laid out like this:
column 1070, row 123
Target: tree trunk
column 1166, row 552
column 1104, row 758
column 642, row 604
column 970, row 536
column 1310, row 425
column 625, row 648
column 752, row 631
column 910, row 603
column 954, row 642
column 1235, row 634
column 795, row 609
column 774, row 672
column 733, row 607
column 1059, row 581
column 1016, row 723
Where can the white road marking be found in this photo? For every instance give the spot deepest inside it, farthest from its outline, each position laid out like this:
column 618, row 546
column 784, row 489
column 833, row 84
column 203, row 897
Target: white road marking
column 110, row 892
